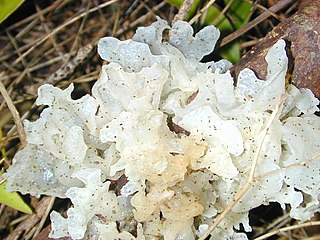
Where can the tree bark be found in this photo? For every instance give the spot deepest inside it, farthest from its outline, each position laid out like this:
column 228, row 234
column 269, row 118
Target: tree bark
column 301, row 33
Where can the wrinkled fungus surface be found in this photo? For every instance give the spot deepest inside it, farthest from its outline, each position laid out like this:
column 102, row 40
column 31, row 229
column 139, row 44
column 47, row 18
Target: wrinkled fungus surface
column 176, row 182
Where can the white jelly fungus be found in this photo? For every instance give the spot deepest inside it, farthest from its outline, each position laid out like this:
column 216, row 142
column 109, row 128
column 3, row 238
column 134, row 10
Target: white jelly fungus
column 165, row 142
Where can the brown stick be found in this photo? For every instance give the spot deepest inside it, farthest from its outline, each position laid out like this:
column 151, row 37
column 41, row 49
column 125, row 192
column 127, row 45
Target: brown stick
column 202, row 10
column 290, row 228
column 15, row 114
column 183, row 10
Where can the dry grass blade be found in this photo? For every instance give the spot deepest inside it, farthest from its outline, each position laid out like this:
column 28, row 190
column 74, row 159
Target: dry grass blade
column 142, row 18
column 222, row 13
column 278, row 223
column 275, row 8
column 251, row 179
column 183, row 10
column 116, row 22
column 14, row 43
column 317, row 155
column 69, row 66
column 205, row 8
column 285, row 229
column 2, row 179
column 15, row 115
column 43, row 11
column 76, row 18
column 48, row 31
column 18, row 220
column 44, row 217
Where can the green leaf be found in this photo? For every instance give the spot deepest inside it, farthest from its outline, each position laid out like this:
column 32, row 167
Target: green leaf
column 222, row 23
column 240, row 12
column 176, row 3
column 231, row 52
column 7, row 7
column 13, row 199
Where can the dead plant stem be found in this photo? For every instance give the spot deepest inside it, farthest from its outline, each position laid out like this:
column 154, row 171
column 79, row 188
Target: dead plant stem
column 205, row 8
column 44, row 217
column 316, row 155
column 142, row 18
column 221, row 14
column 51, row 38
column 183, row 10
column 15, row 115
column 56, row 30
column 250, row 180
column 285, row 229
column 275, row 8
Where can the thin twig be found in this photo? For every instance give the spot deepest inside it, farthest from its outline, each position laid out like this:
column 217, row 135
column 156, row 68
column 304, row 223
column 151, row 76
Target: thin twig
column 2, row 207
column 28, row 45
column 285, row 229
column 2, row 179
column 16, row 47
column 18, row 220
column 69, row 67
column 79, row 32
column 15, row 115
column 20, row 76
column 264, row 9
column 250, row 180
column 32, row 18
column 48, row 31
column 45, row 216
column 116, row 22
column 76, row 18
column 142, row 18
column 205, row 8
column 222, row 12
column 132, row 7
column 281, row 221
column 29, row 235
column 26, row 29
column 24, row 116
column 315, row 156
column 50, row 61
column 275, row 8
column 249, row 43
column 183, row 10
column 50, row 8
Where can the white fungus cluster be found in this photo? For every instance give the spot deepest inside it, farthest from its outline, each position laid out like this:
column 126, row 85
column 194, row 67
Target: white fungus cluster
column 165, row 142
